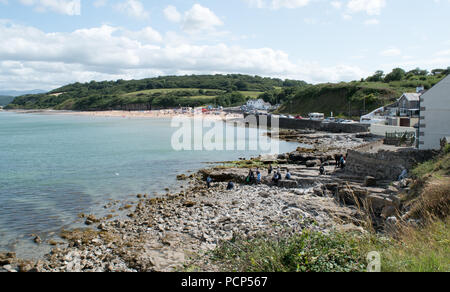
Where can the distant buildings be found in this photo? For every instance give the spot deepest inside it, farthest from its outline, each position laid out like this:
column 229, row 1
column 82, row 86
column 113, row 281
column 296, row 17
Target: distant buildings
column 258, row 104
column 403, row 113
column 408, row 105
column 435, row 115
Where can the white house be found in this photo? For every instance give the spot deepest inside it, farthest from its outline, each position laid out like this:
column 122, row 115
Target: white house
column 435, row 115
column 258, row 104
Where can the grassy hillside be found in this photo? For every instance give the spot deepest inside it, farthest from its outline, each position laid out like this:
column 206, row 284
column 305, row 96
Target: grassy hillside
column 351, row 99
column 154, row 93
column 348, row 99
column 4, row 100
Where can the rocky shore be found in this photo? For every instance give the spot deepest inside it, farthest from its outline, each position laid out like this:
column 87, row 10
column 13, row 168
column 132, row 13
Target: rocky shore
column 167, row 233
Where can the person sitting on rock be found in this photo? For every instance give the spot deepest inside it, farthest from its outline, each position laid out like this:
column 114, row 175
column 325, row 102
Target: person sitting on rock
column 403, row 175
column 276, row 178
column 258, row 176
column 208, row 181
column 342, row 162
column 322, row 170
column 251, row 177
column 270, row 169
column 288, row 175
column 337, row 158
column 230, row 186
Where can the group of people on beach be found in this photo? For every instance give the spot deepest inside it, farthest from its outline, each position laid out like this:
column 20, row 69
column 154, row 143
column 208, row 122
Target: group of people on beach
column 255, row 177
column 277, row 176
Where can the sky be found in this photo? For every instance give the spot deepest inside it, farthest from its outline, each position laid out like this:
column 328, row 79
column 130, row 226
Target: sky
column 45, row 44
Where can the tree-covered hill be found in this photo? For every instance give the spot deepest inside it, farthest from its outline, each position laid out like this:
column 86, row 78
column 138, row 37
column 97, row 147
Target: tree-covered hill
column 354, row 98
column 154, row 93
column 297, row 97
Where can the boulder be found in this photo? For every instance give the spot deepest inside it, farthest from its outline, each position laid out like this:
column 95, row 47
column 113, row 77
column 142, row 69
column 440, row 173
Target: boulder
column 300, row 158
column 288, row 184
column 313, row 163
column 7, row 258
column 391, row 190
column 189, row 204
column 388, row 211
column 370, row 181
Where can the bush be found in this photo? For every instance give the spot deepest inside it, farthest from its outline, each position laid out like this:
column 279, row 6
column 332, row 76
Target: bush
column 305, row 252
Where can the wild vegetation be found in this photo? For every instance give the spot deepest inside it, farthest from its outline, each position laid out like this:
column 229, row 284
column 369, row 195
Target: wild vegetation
column 421, row 247
column 354, row 98
column 154, row 93
column 297, row 97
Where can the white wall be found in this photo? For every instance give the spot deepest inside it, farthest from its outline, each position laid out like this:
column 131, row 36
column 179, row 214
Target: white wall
column 381, row 130
column 436, row 122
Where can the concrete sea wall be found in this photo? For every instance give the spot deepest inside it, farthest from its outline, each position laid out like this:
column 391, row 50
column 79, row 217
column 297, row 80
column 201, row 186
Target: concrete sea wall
column 285, row 123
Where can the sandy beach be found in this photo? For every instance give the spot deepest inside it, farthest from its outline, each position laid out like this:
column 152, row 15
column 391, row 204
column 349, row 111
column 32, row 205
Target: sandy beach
column 219, row 115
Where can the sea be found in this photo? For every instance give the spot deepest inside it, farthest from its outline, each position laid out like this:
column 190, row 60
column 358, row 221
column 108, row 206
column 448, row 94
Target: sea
column 55, row 166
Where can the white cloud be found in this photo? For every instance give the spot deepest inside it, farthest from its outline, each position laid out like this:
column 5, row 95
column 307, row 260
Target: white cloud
column 172, row 13
column 72, row 7
column 200, row 18
column 133, row 8
column 277, row 4
column 31, row 58
column 371, row 7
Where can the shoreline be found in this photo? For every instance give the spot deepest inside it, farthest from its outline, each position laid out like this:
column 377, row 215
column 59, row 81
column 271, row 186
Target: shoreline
column 133, row 114
column 162, row 233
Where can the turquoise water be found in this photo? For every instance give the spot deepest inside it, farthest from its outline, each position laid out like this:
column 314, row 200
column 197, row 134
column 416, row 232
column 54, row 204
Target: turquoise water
column 53, row 167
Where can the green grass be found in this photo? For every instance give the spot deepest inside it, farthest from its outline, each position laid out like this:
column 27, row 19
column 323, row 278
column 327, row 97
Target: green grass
column 246, row 164
column 168, row 90
column 251, row 94
column 416, row 250
column 423, row 248
column 305, row 252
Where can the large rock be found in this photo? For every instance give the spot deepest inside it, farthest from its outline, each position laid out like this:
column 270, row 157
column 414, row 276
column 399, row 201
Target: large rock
column 313, row 163
column 7, row 258
column 300, row 157
column 378, row 202
column 288, row 184
column 370, row 181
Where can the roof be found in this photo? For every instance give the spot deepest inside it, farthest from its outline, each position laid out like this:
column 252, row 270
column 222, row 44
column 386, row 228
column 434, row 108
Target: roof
column 439, row 88
column 411, row 96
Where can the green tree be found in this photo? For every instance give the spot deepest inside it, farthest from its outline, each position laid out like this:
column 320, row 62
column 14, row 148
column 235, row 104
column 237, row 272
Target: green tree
column 377, row 77
column 397, row 74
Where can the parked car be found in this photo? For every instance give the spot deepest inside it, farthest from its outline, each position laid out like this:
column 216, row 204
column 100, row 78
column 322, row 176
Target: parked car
column 329, row 120
column 299, row 118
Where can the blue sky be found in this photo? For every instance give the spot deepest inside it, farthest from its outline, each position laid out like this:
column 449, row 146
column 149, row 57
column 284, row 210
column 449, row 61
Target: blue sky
column 49, row 43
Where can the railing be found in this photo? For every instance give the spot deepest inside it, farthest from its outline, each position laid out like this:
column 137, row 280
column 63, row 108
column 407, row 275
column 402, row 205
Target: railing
column 400, row 138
